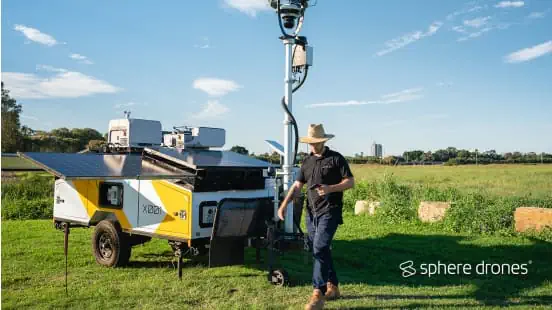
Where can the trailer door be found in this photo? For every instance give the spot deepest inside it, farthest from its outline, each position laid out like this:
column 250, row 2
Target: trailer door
column 164, row 209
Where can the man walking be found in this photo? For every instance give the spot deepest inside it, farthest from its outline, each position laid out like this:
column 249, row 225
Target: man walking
column 327, row 175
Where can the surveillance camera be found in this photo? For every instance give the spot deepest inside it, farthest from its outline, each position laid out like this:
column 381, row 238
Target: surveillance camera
column 289, row 13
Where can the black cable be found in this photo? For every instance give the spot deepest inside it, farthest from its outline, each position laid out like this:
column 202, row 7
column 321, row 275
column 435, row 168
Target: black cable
column 293, row 121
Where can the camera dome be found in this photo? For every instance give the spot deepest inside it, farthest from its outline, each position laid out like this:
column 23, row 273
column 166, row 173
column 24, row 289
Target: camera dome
column 288, row 21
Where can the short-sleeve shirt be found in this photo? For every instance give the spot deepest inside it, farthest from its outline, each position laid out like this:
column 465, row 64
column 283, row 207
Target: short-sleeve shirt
column 330, row 168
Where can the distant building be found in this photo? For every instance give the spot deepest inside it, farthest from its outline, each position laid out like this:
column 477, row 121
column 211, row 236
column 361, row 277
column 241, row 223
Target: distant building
column 376, row 150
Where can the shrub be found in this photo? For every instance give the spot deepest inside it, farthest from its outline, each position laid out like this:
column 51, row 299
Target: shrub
column 396, row 201
column 470, row 212
column 21, row 209
column 29, row 197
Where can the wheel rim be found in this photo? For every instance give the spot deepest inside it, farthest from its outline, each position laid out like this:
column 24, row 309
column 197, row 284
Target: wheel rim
column 105, row 246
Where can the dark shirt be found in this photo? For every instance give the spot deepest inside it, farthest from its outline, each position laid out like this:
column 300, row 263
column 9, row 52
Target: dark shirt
column 330, row 168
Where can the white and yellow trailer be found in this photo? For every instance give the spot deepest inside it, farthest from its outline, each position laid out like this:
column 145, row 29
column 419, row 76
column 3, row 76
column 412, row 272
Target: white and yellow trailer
column 201, row 201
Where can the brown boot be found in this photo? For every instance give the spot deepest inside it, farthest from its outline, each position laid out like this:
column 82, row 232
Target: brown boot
column 316, row 301
column 332, row 292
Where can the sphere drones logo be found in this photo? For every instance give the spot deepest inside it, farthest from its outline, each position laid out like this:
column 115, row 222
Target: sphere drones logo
column 407, row 269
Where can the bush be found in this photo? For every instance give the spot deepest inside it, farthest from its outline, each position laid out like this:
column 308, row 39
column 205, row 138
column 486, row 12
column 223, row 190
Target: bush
column 21, row 209
column 396, row 199
column 470, row 212
column 29, row 197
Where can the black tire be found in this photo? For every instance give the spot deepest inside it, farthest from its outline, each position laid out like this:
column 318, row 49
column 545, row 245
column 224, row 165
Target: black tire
column 110, row 245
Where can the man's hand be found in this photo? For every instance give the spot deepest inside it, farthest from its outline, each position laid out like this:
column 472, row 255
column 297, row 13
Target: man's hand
column 323, row 190
column 282, row 212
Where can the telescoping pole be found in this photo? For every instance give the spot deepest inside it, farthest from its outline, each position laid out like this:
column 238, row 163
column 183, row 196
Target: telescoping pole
column 289, row 178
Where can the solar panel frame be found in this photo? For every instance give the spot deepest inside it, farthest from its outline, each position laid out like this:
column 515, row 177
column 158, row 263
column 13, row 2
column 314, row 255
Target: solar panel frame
column 102, row 166
column 203, row 159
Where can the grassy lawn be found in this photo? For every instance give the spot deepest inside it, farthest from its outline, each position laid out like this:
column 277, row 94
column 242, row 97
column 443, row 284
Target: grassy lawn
column 367, row 254
column 507, row 180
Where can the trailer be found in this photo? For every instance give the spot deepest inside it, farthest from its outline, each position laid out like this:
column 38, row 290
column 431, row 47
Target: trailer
column 202, row 201
column 147, row 184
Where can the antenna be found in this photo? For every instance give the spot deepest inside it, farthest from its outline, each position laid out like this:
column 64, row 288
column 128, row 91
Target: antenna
column 127, row 114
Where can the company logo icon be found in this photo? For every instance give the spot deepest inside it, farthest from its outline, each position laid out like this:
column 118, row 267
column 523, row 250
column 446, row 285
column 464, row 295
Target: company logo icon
column 407, row 269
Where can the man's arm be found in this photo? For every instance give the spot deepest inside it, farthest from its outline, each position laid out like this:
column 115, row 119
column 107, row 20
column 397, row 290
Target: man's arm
column 296, row 186
column 345, row 184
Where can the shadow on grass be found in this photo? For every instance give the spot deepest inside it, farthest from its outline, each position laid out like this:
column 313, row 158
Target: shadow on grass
column 375, row 261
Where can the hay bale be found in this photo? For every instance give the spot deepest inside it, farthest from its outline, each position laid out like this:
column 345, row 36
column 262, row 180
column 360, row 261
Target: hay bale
column 432, row 211
column 366, row 207
column 361, row 207
column 532, row 218
column 373, row 206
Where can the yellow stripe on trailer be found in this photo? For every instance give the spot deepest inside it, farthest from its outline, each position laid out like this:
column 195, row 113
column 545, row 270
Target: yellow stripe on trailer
column 177, row 202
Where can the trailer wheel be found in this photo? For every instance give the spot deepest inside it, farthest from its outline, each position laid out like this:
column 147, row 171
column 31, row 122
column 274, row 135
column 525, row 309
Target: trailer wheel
column 279, row 277
column 110, row 245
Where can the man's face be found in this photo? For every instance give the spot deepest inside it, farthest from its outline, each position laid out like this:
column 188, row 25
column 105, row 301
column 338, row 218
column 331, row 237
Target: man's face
column 317, row 148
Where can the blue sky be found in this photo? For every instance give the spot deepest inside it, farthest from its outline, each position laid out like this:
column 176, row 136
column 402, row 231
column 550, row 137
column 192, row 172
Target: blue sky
column 407, row 74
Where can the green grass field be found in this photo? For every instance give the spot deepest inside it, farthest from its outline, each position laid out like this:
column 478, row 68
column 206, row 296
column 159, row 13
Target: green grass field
column 505, row 180
column 367, row 252
column 367, row 255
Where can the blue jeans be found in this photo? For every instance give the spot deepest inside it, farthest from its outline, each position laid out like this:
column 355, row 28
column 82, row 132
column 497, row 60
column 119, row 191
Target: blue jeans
column 321, row 230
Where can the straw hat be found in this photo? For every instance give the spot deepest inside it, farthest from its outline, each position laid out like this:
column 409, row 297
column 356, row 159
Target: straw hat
column 316, row 134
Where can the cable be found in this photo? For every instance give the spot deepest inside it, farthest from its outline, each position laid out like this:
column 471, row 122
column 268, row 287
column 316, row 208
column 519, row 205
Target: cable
column 293, row 121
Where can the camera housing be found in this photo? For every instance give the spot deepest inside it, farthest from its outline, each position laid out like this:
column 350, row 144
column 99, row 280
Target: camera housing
column 289, row 11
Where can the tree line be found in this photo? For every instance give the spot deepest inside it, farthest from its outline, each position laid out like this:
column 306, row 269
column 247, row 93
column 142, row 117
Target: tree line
column 454, row 156
column 448, row 156
column 16, row 137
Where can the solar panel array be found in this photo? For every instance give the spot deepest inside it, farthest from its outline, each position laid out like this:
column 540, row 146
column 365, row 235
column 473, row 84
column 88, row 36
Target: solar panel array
column 97, row 166
column 197, row 159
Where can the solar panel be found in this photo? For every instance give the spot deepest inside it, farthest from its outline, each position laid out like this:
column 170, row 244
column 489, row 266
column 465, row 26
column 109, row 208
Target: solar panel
column 98, row 166
column 275, row 146
column 197, row 159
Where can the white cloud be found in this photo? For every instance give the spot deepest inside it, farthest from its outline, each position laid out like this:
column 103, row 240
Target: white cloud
column 443, row 84
column 509, row 4
column 64, row 84
column 475, row 34
column 205, row 43
column 49, row 68
column 536, row 15
column 404, row 40
column 476, row 8
column 124, row 105
column 401, row 96
column 459, row 29
column 216, row 87
column 81, row 58
column 36, row 36
column 249, row 7
column 477, row 22
column 212, row 110
column 529, row 53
